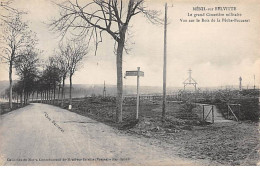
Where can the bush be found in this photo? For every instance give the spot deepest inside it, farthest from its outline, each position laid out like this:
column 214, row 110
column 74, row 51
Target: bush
column 186, row 111
column 249, row 109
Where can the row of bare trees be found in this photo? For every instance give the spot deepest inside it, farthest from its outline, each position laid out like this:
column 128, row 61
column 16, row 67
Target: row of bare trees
column 18, row 50
column 17, row 41
column 81, row 20
column 66, row 61
column 46, row 82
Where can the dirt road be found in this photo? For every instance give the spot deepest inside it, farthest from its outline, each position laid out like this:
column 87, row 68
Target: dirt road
column 41, row 134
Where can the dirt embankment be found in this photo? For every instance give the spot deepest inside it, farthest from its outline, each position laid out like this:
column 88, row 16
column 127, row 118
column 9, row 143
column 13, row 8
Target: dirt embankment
column 4, row 107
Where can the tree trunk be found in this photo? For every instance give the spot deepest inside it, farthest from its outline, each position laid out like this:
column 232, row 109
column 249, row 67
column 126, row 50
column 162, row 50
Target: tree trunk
column 37, row 92
column 59, row 95
column 52, row 96
column 70, row 89
column 119, row 98
column 21, row 99
column 28, row 97
column 24, row 97
column 54, row 92
column 11, row 84
column 49, row 100
column 44, row 96
column 47, row 96
column 41, row 96
column 33, row 95
column 62, row 91
column 46, row 91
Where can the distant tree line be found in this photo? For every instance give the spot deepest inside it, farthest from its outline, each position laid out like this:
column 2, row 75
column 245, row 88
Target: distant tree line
column 43, row 81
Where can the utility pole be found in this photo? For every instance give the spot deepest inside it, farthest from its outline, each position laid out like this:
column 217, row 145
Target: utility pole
column 164, row 65
column 254, row 87
column 240, row 83
column 104, row 90
column 254, row 82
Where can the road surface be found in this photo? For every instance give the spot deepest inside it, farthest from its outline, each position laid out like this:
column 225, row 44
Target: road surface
column 40, row 134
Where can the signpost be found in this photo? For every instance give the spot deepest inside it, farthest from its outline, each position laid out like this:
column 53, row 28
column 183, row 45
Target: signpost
column 134, row 73
column 137, row 73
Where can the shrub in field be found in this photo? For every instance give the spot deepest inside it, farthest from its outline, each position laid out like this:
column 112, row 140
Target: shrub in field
column 248, row 100
column 186, row 111
column 249, row 109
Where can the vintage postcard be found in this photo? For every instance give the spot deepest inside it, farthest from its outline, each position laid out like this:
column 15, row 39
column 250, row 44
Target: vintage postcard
column 129, row 82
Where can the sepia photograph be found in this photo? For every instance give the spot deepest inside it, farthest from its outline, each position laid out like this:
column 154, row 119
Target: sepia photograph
column 129, row 83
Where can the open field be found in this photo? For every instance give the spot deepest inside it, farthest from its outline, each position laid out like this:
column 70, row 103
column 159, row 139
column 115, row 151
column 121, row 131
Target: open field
column 228, row 143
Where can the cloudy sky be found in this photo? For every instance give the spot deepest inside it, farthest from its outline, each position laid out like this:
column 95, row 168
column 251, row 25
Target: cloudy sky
column 217, row 53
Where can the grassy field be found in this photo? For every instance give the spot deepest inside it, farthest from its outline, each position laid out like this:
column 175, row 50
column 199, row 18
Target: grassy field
column 227, row 143
column 4, row 107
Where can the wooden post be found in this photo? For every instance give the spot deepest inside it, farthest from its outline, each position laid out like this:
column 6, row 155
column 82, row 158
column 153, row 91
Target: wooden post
column 233, row 113
column 227, row 112
column 203, row 112
column 212, row 114
column 239, row 110
column 137, row 99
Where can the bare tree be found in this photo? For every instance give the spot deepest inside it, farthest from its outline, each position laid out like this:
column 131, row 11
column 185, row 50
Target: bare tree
column 63, row 65
column 7, row 11
column 74, row 53
column 16, row 37
column 55, row 75
column 92, row 18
